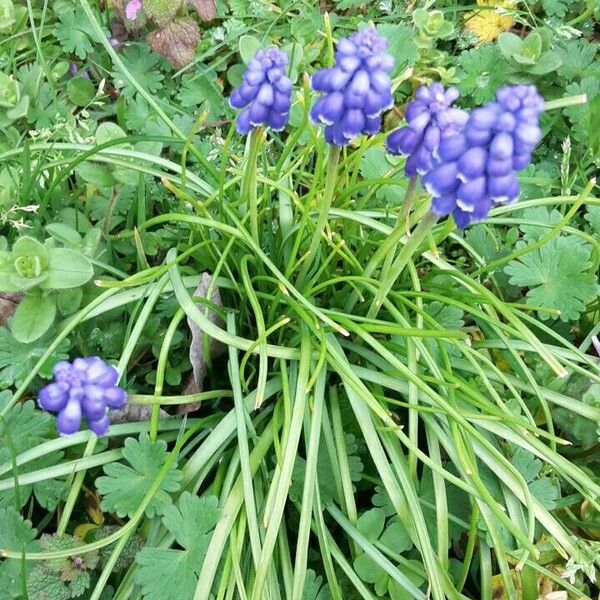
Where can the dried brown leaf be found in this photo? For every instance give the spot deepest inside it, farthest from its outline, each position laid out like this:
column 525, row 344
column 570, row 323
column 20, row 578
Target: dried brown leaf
column 206, row 9
column 176, row 41
column 133, row 413
column 8, row 305
column 197, row 357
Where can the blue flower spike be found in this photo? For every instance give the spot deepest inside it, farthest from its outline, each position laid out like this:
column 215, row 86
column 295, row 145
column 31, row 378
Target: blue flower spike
column 430, row 118
column 357, row 89
column 86, row 388
column 476, row 169
column 265, row 93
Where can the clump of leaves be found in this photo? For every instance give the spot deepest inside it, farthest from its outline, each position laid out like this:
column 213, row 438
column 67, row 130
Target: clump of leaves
column 133, row 545
column 558, row 273
column 64, row 578
column 13, row 103
column 177, row 33
column 170, row 574
column 17, row 359
column 327, row 484
column 10, row 15
column 480, row 72
column 542, row 488
column 22, row 428
column 530, row 56
column 392, row 535
column 574, row 427
column 75, row 33
column 314, row 588
column 431, row 26
column 41, row 272
column 125, row 486
column 16, row 534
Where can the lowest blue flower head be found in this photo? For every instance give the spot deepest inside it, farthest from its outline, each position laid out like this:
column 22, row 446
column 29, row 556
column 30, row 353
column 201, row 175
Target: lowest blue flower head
column 85, row 388
column 265, row 93
column 357, row 89
column 477, row 168
column 431, row 118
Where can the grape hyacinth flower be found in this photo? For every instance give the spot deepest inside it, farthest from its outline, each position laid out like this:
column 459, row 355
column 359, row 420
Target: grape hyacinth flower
column 430, row 119
column 87, row 387
column 265, row 93
column 477, row 168
column 357, row 88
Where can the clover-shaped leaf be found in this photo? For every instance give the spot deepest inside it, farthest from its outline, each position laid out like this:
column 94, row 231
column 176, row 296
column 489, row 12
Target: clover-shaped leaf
column 170, row 574
column 124, row 487
column 558, row 276
column 372, row 524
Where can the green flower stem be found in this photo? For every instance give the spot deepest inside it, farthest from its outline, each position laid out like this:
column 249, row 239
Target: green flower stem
column 390, row 276
column 330, row 180
column 281, row 486
column 150, row 400
column 161, row 368
column 329, row 38
column 386, row 249
column 471, row 540
column 241, row 416
column 409, row 198
column 75, row 488
column 586, row 14
column 564, row 102
column 231, row 508
column 248, row 191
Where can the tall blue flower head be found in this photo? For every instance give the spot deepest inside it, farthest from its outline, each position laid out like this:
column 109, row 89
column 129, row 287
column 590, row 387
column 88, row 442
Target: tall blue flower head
column 431, row 118
column 87, row 387
column 477, row 168
column 357, row 89
column 265, row 93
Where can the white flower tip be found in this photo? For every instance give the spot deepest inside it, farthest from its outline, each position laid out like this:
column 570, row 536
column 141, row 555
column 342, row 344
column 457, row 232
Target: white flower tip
column 468, row 208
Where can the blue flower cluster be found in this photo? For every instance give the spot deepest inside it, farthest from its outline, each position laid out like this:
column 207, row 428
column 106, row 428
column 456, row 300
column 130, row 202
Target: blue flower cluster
column 477, row 168
column 357, row 89
column 85, row 388
column 265, row 93
column 431, row 118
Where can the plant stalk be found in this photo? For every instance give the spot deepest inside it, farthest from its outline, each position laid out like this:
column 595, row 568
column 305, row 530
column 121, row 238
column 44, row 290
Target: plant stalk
column 65, row 517
column 330, row 180
column 390, row 277
column 386, row 249
column 567, row 101
column 248, row 190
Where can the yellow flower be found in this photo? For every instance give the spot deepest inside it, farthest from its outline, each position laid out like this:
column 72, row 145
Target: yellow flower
column 489, row 22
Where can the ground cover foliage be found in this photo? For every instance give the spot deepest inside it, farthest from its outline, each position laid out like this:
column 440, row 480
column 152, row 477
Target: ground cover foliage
column 283, row 438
